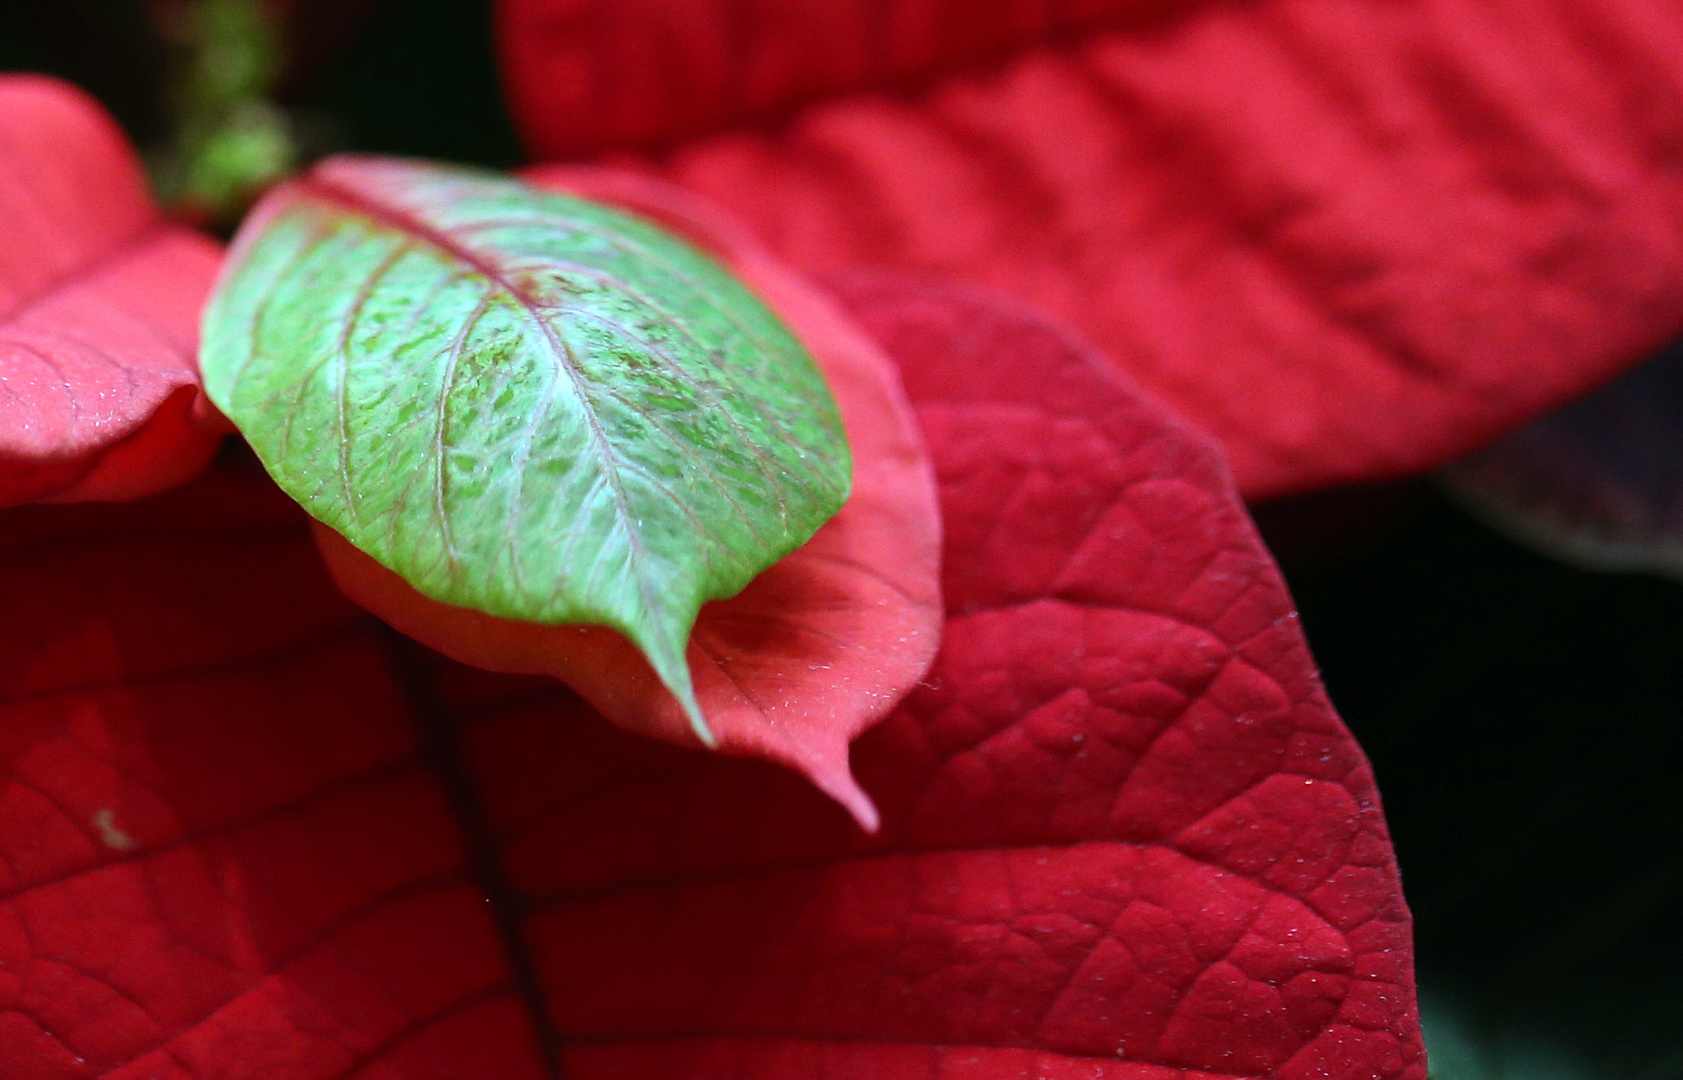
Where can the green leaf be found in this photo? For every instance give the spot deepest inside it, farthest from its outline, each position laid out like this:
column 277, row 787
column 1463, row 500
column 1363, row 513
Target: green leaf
column 521, row 402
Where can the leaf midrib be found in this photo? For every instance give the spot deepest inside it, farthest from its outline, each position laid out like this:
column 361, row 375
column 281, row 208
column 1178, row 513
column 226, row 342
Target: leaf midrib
column 413, row 225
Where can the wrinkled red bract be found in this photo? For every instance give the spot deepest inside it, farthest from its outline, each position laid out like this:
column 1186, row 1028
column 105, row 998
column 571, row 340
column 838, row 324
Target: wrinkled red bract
column 248, row 834
column 1351, row 238
column 818, row 647
column 99, row 309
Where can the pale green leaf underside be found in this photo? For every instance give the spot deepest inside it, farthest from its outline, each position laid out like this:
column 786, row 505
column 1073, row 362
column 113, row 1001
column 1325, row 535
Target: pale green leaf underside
column 523, row 403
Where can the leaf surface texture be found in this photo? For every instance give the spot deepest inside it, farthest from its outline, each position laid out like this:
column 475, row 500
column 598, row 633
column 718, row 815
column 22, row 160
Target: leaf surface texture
column 248, row 833
column 822, row 643
column 524, row 403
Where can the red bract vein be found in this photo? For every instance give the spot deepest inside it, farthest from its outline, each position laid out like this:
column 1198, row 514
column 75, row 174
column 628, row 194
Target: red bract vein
column 1124, row 835
column 1350, row 238
column 1122, row 828
column 216, row 861
column 99, row 304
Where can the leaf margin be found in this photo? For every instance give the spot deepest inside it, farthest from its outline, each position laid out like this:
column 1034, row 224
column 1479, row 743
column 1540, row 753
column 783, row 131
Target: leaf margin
column 373, row 189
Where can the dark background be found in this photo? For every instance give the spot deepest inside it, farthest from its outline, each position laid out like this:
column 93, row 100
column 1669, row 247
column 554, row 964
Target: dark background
column 1519, row 713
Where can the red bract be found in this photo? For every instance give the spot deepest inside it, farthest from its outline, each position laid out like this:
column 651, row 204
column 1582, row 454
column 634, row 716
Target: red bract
column 99, row 309
column 1352, row 238
column 248, row 834
column 818, row 647
column 611, row 74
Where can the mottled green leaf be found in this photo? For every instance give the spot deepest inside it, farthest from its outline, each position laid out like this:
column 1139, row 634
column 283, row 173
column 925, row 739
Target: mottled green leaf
column 524, row 403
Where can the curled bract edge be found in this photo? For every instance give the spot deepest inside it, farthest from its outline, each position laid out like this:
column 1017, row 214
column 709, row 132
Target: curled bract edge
column 818, row 647
column 99, row 309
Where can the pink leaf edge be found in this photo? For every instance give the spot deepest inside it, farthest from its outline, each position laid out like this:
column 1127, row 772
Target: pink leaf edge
column 821, row 645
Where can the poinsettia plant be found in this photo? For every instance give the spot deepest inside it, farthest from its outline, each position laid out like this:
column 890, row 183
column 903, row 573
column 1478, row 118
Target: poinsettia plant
column 787, row 414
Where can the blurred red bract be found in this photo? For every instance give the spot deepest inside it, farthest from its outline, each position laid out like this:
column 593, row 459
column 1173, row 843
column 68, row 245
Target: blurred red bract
column 1351, row 238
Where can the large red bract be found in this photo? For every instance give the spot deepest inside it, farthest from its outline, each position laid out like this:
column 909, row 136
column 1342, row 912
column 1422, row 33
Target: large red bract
column 1350, row 238
column 247, row 833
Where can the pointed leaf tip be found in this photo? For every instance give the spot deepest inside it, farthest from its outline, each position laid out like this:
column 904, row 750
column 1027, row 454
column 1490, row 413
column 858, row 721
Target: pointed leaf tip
column 819, row 646
column 523, row 403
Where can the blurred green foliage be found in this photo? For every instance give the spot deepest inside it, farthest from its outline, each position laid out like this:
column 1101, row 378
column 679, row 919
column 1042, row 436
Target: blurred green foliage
column 229, row 142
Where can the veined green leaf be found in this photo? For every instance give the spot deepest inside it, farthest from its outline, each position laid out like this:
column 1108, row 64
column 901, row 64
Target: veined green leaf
column 523, row 403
